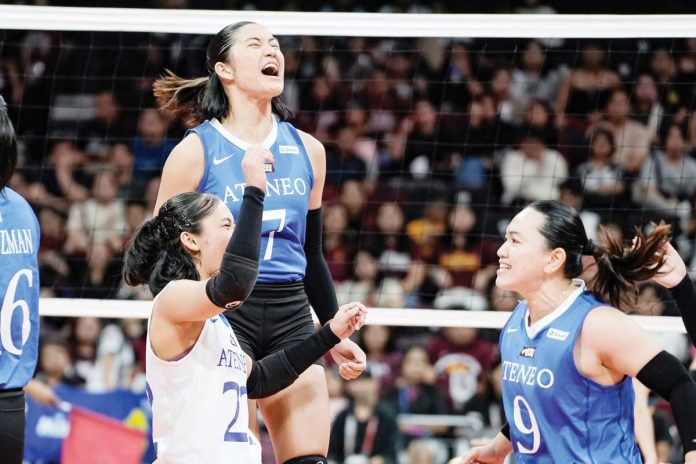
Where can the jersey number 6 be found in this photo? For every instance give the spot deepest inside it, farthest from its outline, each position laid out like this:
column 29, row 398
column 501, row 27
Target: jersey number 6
column 9, row 305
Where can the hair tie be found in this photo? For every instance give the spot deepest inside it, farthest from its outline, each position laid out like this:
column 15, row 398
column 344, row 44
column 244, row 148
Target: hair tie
column 172, row 224
column 589, row 248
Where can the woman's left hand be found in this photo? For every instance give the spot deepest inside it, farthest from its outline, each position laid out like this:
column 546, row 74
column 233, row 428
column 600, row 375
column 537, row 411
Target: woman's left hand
column 350, row 358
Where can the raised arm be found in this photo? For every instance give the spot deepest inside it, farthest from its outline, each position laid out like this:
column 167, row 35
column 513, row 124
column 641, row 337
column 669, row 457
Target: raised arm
column 624, row 348
column 189, row 300
column 674, row 277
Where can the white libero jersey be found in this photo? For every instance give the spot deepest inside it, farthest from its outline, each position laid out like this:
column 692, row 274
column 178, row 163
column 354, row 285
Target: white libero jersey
column 199, row 403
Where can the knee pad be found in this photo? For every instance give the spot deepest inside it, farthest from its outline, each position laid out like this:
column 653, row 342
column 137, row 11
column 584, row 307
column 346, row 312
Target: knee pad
column 313, row 459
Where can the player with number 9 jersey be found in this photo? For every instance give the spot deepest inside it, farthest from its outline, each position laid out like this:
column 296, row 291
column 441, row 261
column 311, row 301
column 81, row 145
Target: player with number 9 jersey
column 557, row 414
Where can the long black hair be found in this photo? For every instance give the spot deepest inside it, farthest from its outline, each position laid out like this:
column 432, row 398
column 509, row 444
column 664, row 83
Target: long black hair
column 204, row 97
column 8, row 146
column 619, row 265
column 155, row 255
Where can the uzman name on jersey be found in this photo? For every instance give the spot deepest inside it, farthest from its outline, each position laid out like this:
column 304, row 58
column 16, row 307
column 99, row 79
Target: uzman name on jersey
column 16, row 242
column 283, row 186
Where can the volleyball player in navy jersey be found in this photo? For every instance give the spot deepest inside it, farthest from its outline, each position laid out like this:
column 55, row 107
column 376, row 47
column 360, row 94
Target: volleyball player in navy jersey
column 568, row 356
column 238, row 107
column 19, row 298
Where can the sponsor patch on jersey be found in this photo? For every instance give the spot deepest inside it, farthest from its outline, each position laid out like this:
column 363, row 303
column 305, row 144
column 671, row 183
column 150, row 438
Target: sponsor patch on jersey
column 290, row 149
column 528, row 352
column 557, row 334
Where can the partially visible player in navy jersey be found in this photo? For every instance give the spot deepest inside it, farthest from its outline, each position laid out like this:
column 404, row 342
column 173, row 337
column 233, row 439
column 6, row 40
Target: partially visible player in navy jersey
column 238, row 109
column 567, row 356
column 19, row 301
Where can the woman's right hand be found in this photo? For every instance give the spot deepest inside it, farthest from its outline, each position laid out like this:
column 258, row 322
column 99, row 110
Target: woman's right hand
column 483, row 455
column 349, row 318
column 254, row 165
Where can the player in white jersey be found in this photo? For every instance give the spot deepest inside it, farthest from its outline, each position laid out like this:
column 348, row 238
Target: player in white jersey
column 197, row 375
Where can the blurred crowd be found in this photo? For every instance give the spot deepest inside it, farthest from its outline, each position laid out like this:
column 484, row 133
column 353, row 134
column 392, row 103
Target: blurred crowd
column 432, row 145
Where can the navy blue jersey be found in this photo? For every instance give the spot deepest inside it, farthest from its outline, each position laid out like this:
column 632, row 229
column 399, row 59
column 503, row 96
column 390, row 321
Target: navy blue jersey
column 19, row 290
column 287, row 193
column 555, row 413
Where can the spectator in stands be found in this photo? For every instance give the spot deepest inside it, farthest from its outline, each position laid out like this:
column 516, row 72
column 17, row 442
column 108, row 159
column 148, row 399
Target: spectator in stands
column 602, row 179
column 53, row 267
column 365, row 279
column 114, row 363
column 470, row 258
column 501, row 91
column 54, row 365
column 62, row 181
column 383, row 359
column 460, row 357
column 338, row 250
column 533, row 172
column 631, row 137
column 427, row 150
column 121, row 163
column 415, row 393
column 390, row 243
column 487, row 403
column 538, row 118
column 364, row 433
column 647, row 108
column 427, row 231
column 82, row 345
column 532, row 80
column 581, row 98
column 99, row 220
column 354, row 198
column 667, row 180
column 342, row 160
column 151, row 146
column 97, row 276
column 108, row 127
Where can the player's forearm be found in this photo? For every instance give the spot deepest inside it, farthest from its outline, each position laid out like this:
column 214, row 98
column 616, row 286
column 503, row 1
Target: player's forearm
column 502, row 445
column 685, row 297
column 318, row 282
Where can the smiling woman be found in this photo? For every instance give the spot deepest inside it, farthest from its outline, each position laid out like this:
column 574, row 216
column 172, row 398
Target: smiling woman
column 567, row 356
column 239, row 110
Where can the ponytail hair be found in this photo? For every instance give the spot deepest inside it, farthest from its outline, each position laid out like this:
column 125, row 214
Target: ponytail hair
column 620, row 265
column 204, row 97
column 8, row 146
column 155, row 255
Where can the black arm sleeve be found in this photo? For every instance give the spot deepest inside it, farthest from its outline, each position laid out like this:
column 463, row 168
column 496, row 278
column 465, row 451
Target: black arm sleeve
column 240, row 263
column 665, row 375
column 685, row 297
column 279, row 370
column 318, row 282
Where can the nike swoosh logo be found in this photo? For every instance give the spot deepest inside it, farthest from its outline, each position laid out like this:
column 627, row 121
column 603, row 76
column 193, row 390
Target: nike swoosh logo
column 511, row 330
column 217, row 161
